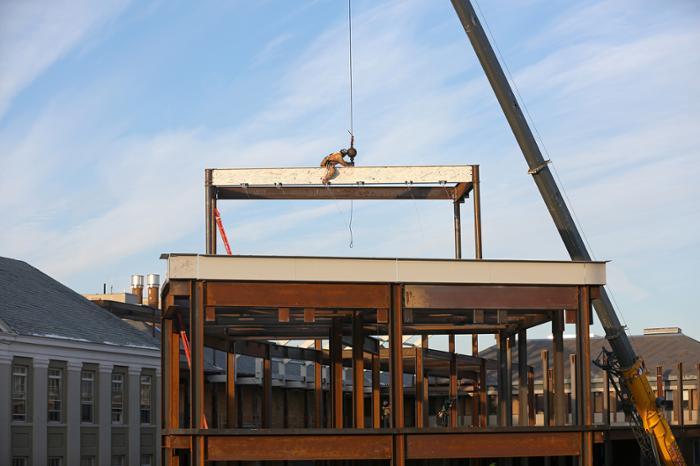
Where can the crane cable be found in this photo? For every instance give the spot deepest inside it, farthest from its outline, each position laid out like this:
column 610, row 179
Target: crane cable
column 352, row 122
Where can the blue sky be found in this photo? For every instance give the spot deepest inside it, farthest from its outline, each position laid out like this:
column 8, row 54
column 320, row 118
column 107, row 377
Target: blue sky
column 110, row 111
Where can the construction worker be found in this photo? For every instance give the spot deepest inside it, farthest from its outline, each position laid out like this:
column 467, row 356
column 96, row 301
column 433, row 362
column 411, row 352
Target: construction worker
column 337, row 158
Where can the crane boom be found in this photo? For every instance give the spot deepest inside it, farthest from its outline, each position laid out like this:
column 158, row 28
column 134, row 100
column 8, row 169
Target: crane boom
column 633, row 371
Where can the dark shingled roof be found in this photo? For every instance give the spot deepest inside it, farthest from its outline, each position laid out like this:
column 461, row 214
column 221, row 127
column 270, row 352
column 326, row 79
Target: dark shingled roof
column 34, row 304
column 656, row 350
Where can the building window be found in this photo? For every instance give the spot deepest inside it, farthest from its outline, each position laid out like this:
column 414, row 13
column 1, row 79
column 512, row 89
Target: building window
column 146, row 460
column 146, row 396
column 87, row 397
column 117, row 399
column 20, row 461
column 118, row 460
column 87, row 461
column 19, row 394
column 55, row 394
column 55, row 461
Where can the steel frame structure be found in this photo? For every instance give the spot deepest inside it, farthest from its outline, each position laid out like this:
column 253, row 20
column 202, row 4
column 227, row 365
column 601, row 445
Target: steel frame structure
column 224, row 315
column 239, row 316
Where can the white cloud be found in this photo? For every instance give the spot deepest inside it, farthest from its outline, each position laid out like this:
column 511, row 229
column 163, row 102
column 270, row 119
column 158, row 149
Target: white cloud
column 35, row 34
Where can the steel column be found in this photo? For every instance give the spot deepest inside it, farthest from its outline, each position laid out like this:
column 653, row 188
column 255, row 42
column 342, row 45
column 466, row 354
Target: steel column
column 396, row 352
column 209, row 209
column 231, row 401
column 560, row 408
column 697, row 394
column 678, row 399
column 170, row 390
column 419, row 415
column 510, row 343
column 358, row 372
column 318, row 387
column 336, row 369
column 453, row 383
column 546, row 388
column 522, row 378
column 376, row 393
column 501, row 378
column 458, row 230
column 483, row 395
column 583, row 323
column 574, row 390
column 426, row 385
column 197, row 300
column 267, row 390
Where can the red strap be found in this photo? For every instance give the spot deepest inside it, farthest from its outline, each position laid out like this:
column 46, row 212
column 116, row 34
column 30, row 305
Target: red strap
column 222, row 232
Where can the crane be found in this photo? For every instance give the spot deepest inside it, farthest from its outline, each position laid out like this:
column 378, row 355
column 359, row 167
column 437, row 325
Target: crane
column 628, row 366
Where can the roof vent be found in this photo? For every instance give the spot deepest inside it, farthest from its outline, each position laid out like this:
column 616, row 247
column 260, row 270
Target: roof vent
column 662, row 331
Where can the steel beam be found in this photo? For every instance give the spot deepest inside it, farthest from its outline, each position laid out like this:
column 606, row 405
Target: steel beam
column 336, row 369
column 196, row 339
column 209, row 209
column 231, row 401
column 267, row 391
column 396, row 349
column 318, row 387
column 512, row 297
column 358, row 372
column 560, row 405
column 280, row 447
column 453, row 382
column 523, row 389
column 546, row 388
column 491, row 445
column 376, row 393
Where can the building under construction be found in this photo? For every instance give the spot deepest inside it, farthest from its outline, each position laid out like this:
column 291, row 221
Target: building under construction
column 374, row 395
column 359, row 312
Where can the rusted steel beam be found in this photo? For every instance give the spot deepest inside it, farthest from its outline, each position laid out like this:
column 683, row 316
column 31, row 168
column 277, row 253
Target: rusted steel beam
column 425, row 393
column 396, row 348
column 697, row 394
column 585, row 395
column 531, row 413
column 298, row 447
column 501, row 343
column 546, row 387
column 231, row 401
column 369, row 344
column 376, row 393
column 606, row 399
column 559, row 395
column 336, row 368
column 476, row 199
column 358, row 372
column 491, row 297
column 196, row 339
column 420, row 389
column 660, row 382
column 300, row 295
column 336, row 193
column 209, row 209
column 170, row 390
column 490, row 445
column 398, row 457
column 574, row 390
column 523, row 391
column 453, row 382
column 267, row 391
column 678, row 396
column 458, row 230
column 483, row 396
column 318, row 387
